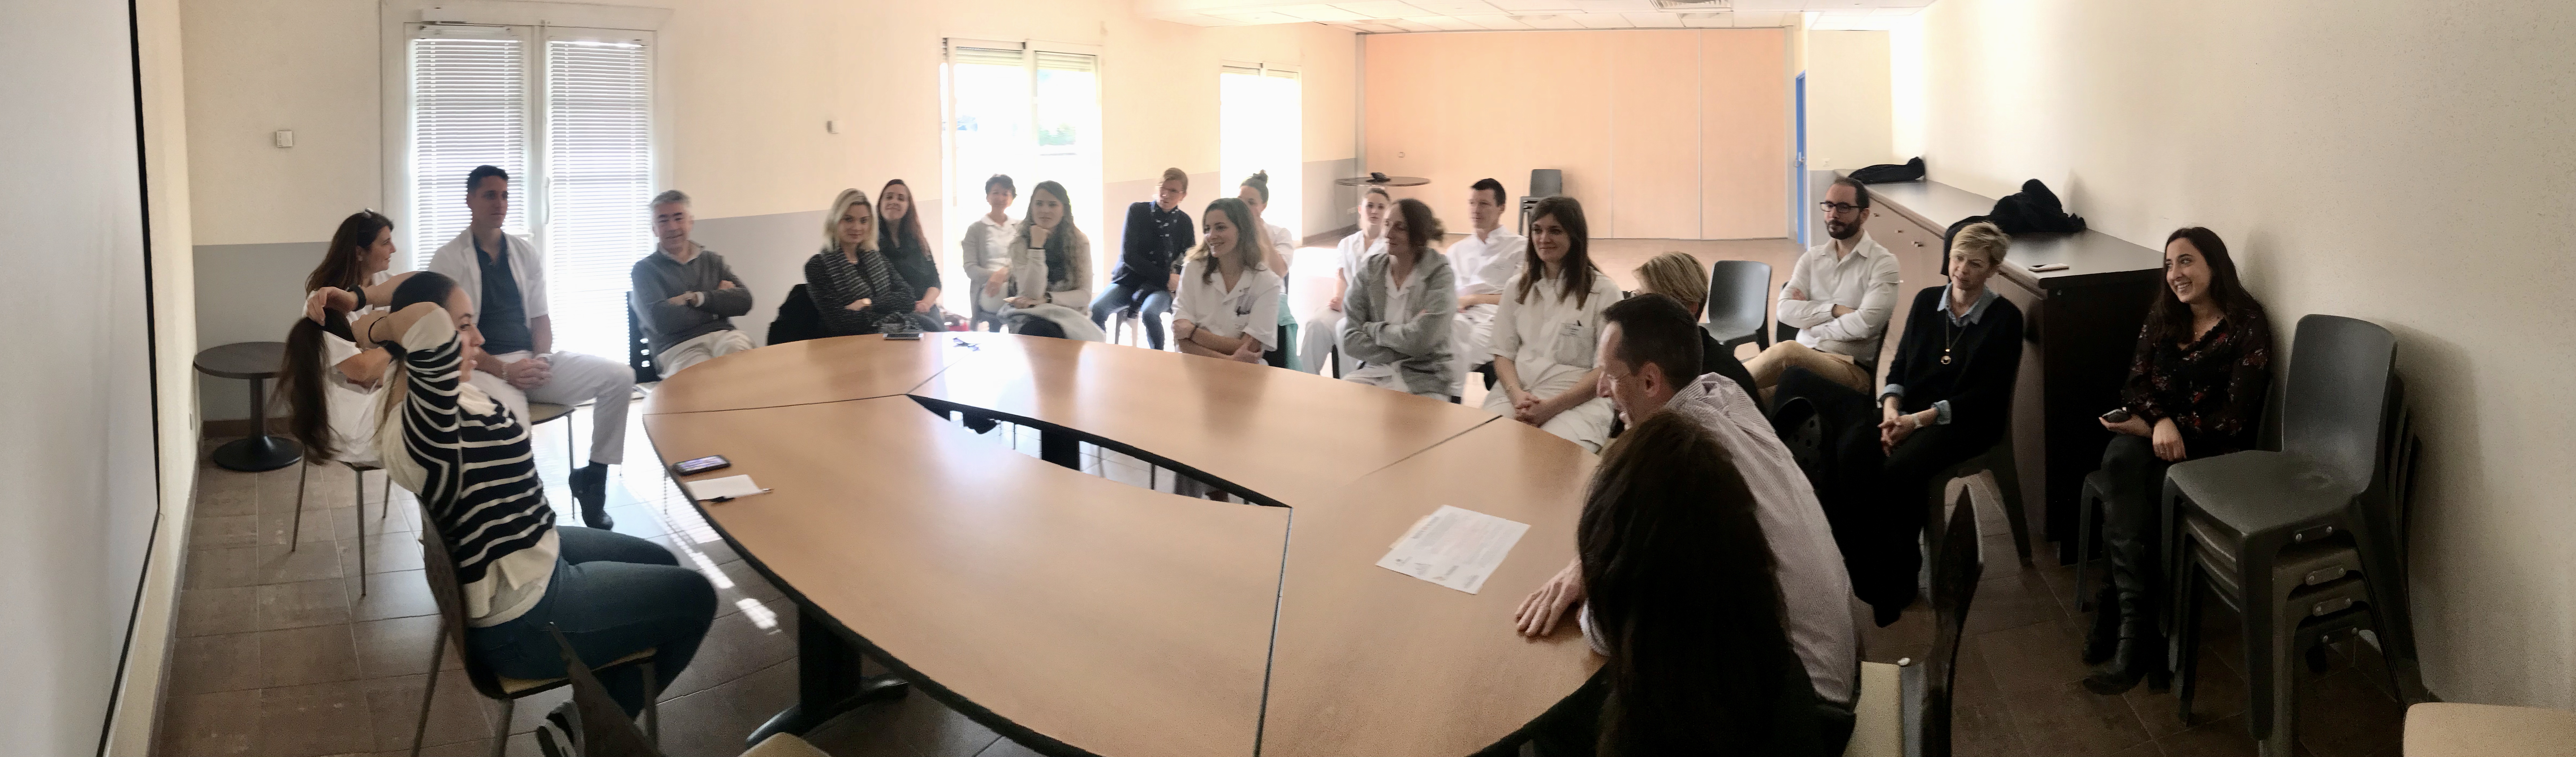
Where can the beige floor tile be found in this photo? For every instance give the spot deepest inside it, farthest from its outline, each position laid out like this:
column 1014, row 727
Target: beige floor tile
column 302, row 561
column 315, row 719
column 736, row 647
column 305, row 603
column 223, row 531
column 210, row 725
column 715, row 721
column 390, row 595
column 204, row 612
column 208, row 664
column 222, row 568
column 457, row 714
column 400, row 646
column 386, row 553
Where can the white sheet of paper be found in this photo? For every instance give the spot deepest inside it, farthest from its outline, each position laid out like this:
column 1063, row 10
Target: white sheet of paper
column 729, row 486
column 1454, row 548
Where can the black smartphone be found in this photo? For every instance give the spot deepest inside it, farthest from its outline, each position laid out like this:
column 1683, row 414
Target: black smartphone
column 908, row 336
column 701, row 465
column 2119, row 415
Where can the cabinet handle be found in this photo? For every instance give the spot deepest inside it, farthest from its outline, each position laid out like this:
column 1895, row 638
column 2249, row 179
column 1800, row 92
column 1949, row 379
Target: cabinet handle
column 1918, row 244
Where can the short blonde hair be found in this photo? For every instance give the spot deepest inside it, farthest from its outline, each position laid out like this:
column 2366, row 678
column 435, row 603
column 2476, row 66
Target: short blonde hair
column 1176, row 174
column 832, row 220
column 1984, row 238
column 1676, row 275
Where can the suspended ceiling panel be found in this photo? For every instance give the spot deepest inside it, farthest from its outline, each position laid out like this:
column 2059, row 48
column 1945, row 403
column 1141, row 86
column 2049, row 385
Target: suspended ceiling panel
column 1392, row 16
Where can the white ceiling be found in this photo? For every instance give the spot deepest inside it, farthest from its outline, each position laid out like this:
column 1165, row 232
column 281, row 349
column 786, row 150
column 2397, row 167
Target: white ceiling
column 1390, row 16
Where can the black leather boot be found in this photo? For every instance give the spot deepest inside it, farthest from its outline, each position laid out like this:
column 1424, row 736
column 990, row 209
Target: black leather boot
column 590, row 490
column 2138, row 655
column 2106, row 627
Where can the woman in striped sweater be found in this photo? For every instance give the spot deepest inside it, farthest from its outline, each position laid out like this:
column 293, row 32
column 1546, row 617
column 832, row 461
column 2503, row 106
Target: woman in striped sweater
column 468, row 459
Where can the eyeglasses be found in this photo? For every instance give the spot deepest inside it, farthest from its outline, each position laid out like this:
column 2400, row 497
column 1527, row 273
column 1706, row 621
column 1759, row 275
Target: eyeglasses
column 1837, row 207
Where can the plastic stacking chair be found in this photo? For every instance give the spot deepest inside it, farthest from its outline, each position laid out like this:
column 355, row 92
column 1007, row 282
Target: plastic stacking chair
column 2452, row 729
column 441, row 574
column 639, row 351
column 1739, row 303
column 1126, row 322
column 541, row 413
column 1904, row 709
column 2242, row 519
column 1997, row 460
column 295, row 533
column 1544, row 183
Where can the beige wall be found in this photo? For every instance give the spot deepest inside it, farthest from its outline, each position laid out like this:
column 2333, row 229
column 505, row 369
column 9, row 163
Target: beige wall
column 1662, row 134
column 1848, row 100
column 2374, row 162
column 747, row 87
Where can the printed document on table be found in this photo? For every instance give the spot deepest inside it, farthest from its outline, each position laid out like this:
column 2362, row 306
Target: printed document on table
column 728, row 487
column 1454, row 548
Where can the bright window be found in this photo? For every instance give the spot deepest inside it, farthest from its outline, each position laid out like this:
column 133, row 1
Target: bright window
column 1027, row 112
column 568, row 112
column 1260, row 129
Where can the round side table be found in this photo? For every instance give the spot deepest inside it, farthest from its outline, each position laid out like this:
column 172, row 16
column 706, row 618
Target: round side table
column 257, row 362
column 1391, row 181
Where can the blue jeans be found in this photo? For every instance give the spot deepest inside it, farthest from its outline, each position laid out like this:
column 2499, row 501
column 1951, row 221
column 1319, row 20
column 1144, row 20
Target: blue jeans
column 613, row 595
column 1156, row 302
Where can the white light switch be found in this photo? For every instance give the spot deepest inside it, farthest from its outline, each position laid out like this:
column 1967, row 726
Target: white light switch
column 283, row 138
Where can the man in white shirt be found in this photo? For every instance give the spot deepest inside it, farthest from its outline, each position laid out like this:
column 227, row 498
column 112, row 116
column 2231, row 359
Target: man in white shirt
column 1322, row 331
column 1839, row 297
column 1485, row 262
column 1640, row 337
column 505, row 274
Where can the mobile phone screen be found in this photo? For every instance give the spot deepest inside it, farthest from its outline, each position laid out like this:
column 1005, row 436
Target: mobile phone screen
column 702, row 465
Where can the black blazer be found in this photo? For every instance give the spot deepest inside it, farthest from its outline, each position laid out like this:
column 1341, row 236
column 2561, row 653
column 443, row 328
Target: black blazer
column 1145, row 260
column 1984, row 360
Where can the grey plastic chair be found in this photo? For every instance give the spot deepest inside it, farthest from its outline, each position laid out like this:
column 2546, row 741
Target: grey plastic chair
column 1543, row 183
column 1956, row 568
column 2248, row 509
column 1739, row 303
column 1999, row 461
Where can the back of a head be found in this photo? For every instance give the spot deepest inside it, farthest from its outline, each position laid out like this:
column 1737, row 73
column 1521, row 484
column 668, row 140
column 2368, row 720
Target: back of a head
column 1657, row 329
column 1682, row 596
column 423, row 286
column 1676, row 275
column 1421, row 227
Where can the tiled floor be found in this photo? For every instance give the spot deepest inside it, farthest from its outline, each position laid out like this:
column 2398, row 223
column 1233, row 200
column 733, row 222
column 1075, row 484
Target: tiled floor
column 282, row 655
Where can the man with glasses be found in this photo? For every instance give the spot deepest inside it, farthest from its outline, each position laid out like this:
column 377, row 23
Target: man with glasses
column 1157, row 243
column 1839, row 298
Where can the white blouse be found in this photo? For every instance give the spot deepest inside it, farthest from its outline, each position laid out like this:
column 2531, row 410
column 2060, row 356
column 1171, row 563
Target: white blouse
column 1251, row 308
column 1549, row 338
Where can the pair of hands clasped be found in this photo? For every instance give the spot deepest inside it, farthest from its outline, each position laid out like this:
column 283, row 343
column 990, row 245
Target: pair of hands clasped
column 2164, row 435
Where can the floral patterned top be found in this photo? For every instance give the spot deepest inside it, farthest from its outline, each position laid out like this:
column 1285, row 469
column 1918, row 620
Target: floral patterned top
column 2213, row 388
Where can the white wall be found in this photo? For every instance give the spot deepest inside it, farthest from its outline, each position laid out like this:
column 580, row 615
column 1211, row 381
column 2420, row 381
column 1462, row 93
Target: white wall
column 748, row 87
column 1848, row 101
column 76, row 405
column 2403, row 163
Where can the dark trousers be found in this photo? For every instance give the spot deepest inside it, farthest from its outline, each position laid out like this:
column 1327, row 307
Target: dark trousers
column 1905, row 482
column 1150, row 305
column 2132, row 528
column 613, row 595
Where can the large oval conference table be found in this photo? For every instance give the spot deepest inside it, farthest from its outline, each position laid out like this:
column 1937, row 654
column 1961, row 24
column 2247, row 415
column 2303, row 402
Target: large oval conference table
column 1082, row 616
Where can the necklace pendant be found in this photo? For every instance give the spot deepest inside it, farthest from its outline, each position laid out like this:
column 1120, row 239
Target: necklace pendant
column 1945, row 356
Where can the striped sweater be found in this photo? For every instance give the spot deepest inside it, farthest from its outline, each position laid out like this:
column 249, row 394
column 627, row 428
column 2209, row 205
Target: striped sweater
column 494, row 516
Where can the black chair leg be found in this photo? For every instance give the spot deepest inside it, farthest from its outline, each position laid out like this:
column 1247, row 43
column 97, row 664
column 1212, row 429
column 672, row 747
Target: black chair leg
column 295, row 534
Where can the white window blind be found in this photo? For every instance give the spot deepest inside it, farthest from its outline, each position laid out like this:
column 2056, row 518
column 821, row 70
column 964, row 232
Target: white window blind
column 469, row 107
column 569, row 114
column 598, row 176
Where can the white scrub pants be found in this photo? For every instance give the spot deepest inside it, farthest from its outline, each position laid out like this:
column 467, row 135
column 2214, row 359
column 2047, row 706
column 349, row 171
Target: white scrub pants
column 1587, row 424
column 578, row 378
column 1316, row 339
column 701, row 348
column 1470, row 334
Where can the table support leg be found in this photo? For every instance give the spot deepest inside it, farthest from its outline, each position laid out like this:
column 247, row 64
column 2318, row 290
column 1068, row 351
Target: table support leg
column 828, row 681
column 1060, row 448
column 259, row 451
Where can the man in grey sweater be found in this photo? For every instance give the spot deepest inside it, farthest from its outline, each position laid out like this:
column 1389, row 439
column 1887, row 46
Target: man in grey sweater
column 685, row 296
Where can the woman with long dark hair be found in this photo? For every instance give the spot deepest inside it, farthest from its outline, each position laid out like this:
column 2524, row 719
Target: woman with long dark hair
column 1682, row 602
column 899, row 238
column 329, row 384
column 468, row 459
column 1397, row 315
column 2196, row 388
column 1051, row 269
column 1547, row 328
column 853, row 287
column 1229, row 301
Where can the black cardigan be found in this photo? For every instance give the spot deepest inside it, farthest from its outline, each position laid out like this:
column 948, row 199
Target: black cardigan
column 1978, row 382
column 1146, row 258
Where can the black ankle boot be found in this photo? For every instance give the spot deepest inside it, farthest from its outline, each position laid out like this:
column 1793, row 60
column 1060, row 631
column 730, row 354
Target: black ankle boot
column 2138, row 655
column 590, row 490
column 2106, row 627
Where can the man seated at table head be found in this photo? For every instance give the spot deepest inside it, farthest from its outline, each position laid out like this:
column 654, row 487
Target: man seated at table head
column 504, row 275
column 1484, row 262
column 685, row 297
column 1649, row 352
column 1839, row 297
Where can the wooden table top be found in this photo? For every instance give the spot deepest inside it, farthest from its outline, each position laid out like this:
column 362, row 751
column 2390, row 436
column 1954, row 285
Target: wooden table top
column 1124, row 621
column 242, row 360
column 1118, row 620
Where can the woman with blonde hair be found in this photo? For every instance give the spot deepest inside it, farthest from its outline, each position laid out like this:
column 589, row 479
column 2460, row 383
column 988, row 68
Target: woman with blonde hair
column 1681, row 277
column 854, row 288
